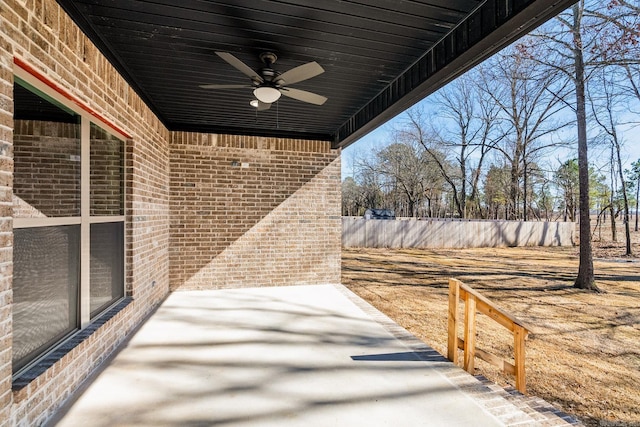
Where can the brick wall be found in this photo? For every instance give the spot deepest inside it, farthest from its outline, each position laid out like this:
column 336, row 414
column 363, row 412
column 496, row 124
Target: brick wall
column 48, row 153
column 39, row 33
column 6, row 206
column 251, row 211
column 274, row 222
column 46, row 169
column 107, row 173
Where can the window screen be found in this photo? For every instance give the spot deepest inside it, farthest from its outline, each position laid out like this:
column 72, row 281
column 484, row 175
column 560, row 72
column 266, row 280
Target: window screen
column 45, row 288
column 107, row 265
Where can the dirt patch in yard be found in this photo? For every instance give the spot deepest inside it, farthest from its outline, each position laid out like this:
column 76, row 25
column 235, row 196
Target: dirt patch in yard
column 583, row 355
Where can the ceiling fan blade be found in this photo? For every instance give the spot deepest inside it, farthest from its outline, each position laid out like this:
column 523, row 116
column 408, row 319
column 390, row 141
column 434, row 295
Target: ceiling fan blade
column 240, row 66
column 304, row 96
column 262, row 106
column 303, row 72
column 225, row 86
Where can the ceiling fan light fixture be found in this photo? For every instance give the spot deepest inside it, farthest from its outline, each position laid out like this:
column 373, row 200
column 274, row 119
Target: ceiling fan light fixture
column 267, row 94
column 254, row 103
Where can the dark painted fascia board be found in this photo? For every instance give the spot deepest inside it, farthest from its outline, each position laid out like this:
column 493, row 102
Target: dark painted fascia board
column 512, row 20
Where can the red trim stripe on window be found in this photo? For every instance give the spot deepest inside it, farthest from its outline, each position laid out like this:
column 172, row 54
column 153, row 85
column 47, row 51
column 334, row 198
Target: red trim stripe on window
column 38, row 75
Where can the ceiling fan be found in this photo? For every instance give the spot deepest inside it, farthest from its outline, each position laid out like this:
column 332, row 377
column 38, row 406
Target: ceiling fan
column 268, row 84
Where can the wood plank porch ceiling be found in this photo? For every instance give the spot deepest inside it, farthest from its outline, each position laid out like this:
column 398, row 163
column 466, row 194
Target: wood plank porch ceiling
column 380, row 56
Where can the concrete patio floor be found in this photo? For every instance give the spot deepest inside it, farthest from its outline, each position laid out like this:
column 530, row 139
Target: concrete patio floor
column 302, row 355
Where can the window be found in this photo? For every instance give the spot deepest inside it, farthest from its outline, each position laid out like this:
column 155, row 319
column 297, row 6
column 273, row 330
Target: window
column 106, row 189
column 45, row 291
column 107, row 267
column 68, row 197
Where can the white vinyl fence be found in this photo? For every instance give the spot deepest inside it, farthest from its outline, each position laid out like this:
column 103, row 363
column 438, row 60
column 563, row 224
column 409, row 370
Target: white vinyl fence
column 431, row 233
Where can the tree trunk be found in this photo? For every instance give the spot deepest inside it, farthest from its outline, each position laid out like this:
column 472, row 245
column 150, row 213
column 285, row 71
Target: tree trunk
column 515, row 187
column 627, row 229
column 614, row 234
column 524, row 194
column 586, row 277
column 637, row 197
column 413, row 212
column 463, row 184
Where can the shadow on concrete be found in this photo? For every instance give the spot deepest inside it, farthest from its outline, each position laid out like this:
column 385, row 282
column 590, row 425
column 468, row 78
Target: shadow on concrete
column 407, row 356
column 302, row 355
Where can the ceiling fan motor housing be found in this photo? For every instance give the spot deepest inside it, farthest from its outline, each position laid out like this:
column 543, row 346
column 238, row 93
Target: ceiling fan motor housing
column 268, row 74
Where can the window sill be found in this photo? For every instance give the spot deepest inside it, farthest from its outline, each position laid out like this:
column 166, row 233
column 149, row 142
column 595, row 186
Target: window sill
column 48, row 360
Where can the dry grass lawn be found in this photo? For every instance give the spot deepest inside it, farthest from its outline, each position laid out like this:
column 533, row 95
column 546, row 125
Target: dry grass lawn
column 584, row 352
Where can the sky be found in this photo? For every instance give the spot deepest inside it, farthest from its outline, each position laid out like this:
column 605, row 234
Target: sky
column 381, row 136
column 630, row 134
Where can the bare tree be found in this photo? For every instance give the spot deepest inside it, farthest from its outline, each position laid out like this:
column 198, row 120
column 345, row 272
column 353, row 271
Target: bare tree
column 567, row 180
column 600, row 197
column 529, row 98
column 566, row 53
column 612, row 194
column 352, row 196
column 399, row 176
column 586, row 276
column 617, row 47
column 406, row 173
column 616, row 28
column 604, row 108
column 469, row 119
column 417, row 130
column 465, row 133
column 368, row 179
column 547, row 203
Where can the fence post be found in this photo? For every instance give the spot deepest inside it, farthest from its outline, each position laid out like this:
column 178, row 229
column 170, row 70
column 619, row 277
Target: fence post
column 469, row 332
column 519, row 334
column 452, row 340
